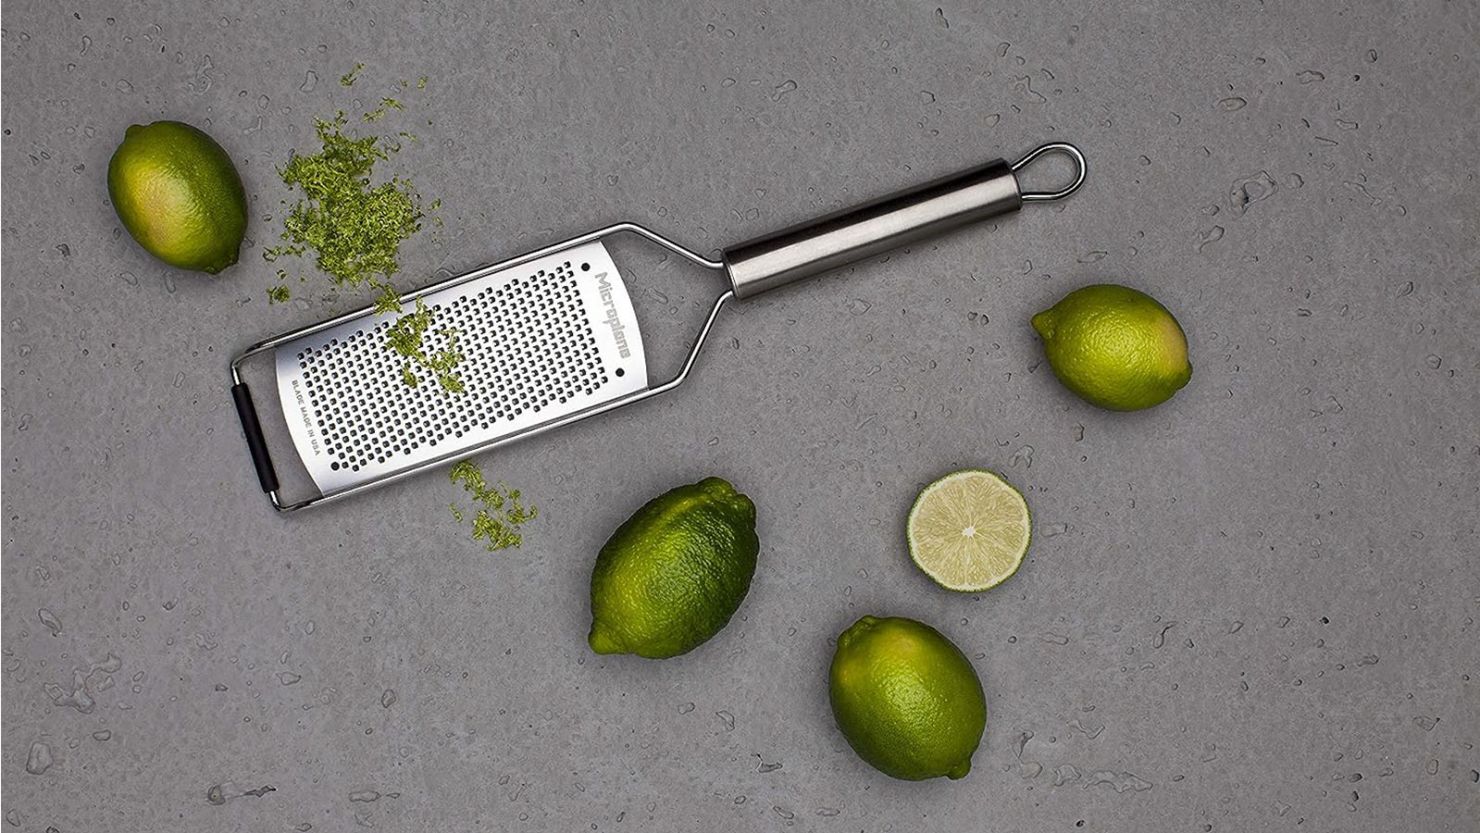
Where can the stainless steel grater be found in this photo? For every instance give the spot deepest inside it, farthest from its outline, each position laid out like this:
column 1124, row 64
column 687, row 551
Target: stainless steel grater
column 551, row 337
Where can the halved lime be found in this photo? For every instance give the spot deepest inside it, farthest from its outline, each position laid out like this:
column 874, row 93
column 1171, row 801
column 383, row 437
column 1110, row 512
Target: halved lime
column 969, row 530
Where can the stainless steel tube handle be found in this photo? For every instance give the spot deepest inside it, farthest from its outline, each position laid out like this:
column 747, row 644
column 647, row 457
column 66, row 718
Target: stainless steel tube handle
column 896, row 220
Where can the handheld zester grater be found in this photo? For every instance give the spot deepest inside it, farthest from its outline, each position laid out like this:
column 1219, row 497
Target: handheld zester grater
column 550, row 337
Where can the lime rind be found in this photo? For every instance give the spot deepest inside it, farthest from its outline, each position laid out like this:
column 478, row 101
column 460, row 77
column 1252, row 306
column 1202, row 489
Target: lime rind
column 1115, row 347
column 969, row 531
column 906, row 699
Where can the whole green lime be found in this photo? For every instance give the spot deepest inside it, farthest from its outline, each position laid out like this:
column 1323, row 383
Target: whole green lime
column 907, row 699
column 1115, row 347
column 179, row 195
column 674, row 573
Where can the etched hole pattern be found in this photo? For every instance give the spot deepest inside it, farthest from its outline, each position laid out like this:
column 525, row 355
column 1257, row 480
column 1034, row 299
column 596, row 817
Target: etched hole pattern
column 527, row 344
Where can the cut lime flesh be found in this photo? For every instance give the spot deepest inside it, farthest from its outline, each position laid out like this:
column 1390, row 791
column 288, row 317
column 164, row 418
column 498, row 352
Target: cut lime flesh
column 969, row 530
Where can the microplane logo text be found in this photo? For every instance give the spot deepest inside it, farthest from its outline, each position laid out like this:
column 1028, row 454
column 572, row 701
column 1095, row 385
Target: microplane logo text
column 604, row 286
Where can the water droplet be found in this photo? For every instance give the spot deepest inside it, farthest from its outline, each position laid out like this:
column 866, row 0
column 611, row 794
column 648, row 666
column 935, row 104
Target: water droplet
column 64, row 250
column 1050, row 530
column 203, row 80
column 288, row 677
column 828, row 812
column 364, row 796
column 39, row 759
column 1030, row 769
column 1209, row 237
column 1346, row 125
column 102, row 735
column 1055, row 638
column 262, row 102
column 1228, row 105
column 1091, row 257
column 1090, row 732
column 1249, row 190
column 123, row 86
column 685, row 708
column 1020, row 741
column 86, row 42
column 1434, row 361
column 1432, row 767
column 1426, row 723
column 1065, row 774
column 388, row 698
column 13, row 818
column 310, row 81
column 1161, row 636
column 1023, row 84
column 1372, row 56
column 727, row 719
column 858, row 306
column 1309, row 76
column 50, row 620
column 1119, row 781
column 782, row 89
column 1295, row 181
column 1023, row 455
column 783, row 812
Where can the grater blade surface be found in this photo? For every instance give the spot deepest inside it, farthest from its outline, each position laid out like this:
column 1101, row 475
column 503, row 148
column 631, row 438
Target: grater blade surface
column 541, row 340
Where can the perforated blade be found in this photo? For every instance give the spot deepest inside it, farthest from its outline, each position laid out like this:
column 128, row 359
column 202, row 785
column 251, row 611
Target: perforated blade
column 541, row 340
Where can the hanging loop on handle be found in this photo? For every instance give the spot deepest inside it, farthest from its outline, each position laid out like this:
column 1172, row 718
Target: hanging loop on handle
column 1066, row 149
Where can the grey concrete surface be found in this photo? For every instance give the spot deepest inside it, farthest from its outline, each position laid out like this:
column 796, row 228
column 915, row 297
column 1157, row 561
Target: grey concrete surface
column 1250, row 609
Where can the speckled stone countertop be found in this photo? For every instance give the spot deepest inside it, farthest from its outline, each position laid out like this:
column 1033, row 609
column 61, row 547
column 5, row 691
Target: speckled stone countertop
column 1250, row 609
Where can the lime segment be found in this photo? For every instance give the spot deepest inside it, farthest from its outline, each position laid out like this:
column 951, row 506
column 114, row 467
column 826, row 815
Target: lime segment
column 969, row 530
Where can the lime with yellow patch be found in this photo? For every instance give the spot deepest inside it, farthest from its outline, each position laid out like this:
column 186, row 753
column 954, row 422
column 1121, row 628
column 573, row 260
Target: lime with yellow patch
column 969, row 531
column 179, row 195
column 906, row 699
column 1115, row 347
